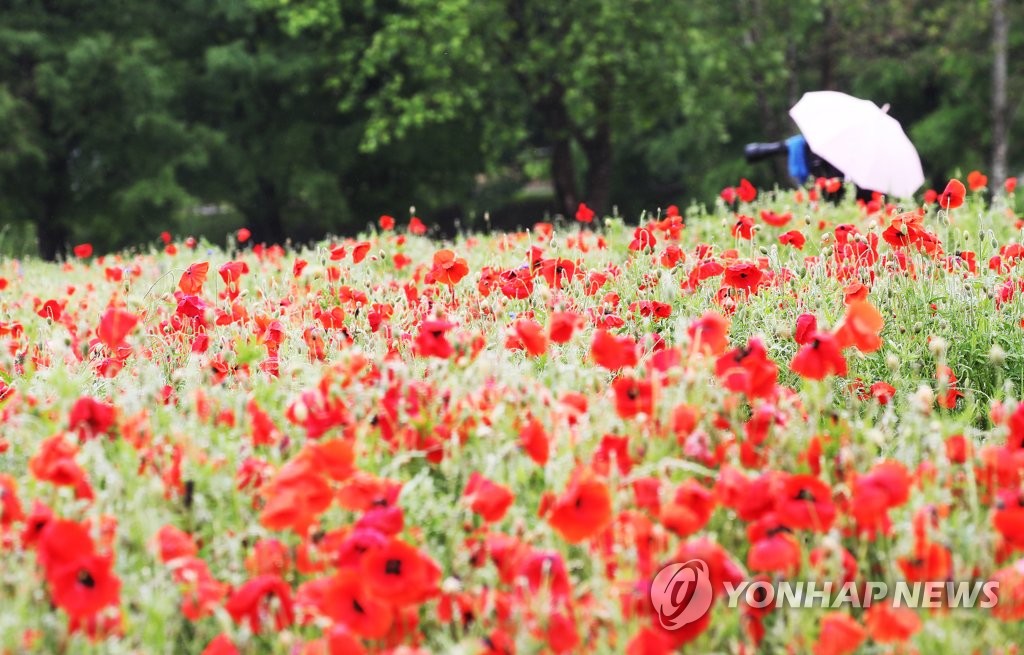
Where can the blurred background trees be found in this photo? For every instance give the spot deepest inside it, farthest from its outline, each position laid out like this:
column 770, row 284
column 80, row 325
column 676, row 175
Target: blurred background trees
column 297, row 118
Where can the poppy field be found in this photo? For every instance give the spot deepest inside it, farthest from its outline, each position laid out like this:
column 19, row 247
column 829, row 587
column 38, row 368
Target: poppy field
column 491, row 445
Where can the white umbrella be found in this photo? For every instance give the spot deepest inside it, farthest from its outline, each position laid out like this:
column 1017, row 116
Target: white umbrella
column 860, row 139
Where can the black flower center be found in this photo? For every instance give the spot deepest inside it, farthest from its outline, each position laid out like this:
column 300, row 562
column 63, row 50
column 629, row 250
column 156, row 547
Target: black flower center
column 804, row 494
column 85, row 579
column 393, row 567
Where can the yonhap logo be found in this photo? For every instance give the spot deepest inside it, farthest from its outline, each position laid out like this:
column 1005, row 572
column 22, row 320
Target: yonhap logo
column 682, row 593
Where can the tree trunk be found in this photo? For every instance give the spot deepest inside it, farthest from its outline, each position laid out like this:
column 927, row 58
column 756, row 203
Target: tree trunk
column 752, row 41
column 267, row 224
column 828, row 36
column 52, row 236
column 1000, row 118
column 598, row 151
column 563, row 177
column 51, row 232
column 558, row 130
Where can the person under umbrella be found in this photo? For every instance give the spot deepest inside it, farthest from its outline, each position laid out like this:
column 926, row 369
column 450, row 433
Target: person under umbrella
column 858, row 139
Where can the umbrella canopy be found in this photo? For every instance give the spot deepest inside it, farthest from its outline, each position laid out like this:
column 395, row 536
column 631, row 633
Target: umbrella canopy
column 861, row 140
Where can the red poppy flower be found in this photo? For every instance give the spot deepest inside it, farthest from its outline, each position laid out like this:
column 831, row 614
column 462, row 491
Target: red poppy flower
column 583, row 511
column 976, row 180
column 805, row 503
column 746, row 191
column 953, row 195
column 295, row 497
column 611, row 352
column 535, row 441
column 743, row 228
column 359, row 251
column 173, row 544
column 544, row 571
column 561, row 326
column 584, row 214
column 562, row 634
column 860, row 327
column 690, row 509
column 887, row 485
column 488, row 499
column 557, row 271
column 54, row 462
column 90, row 417
column 929, row 561
column 386, row 222
column 191, row 281
column 748, row 370
column 243, row 235
column 839, row 635
column 83, row 250
column 819, row 358
column 883, row 392
column 84, row 585
column 947, row 397
column 431, row 340
column 416, row 226
column 115, row 325
column 1010, row 593
column 710, row 333
column 806, row 326
column 51, row 309
column 349, row 602
column 448, row 269
column 253, row 601
column 1008, row 518
column 773, row 547
column 516, row 283
column 399, row 574
column 10, row 506
column 633, row 397
column 776, row 220
column 744, row 276
column 793, row 238
column 643, row 239
column 888, row 625
column 529, row 335
column 1010, row 185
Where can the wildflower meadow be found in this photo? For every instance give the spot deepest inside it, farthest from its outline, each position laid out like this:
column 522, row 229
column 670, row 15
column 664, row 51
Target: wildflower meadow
column 396, row 443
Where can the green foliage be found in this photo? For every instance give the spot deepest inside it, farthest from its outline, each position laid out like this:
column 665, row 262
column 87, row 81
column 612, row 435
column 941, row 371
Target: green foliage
column 299, row 117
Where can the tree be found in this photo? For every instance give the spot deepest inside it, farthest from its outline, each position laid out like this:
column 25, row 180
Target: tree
column 1000, row 107
column 573, row 78
column 86, row 97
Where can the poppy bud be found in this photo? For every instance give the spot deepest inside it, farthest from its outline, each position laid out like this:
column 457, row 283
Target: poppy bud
column 923, row 398
column 938, row 346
